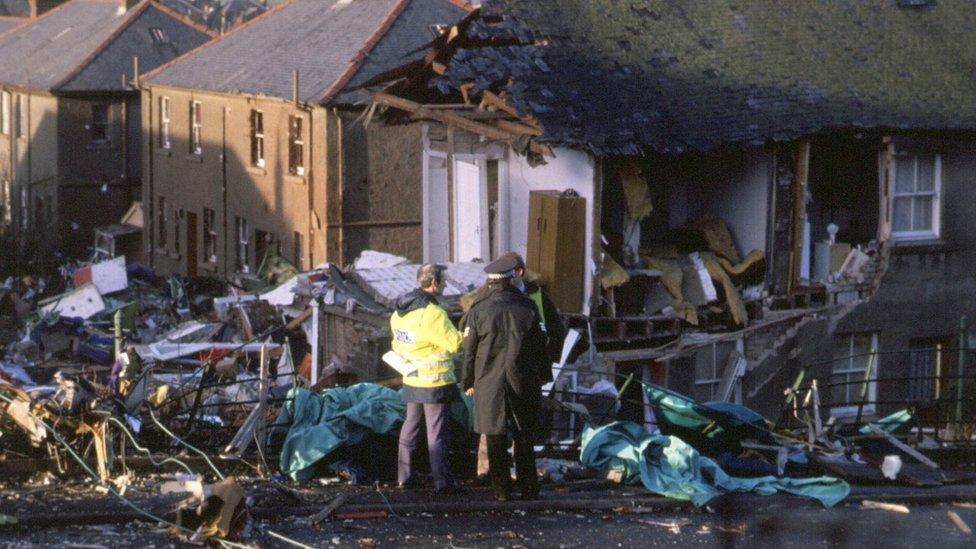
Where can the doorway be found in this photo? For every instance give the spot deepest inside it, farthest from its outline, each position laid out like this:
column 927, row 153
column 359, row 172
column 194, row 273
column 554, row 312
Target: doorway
column 191, row 244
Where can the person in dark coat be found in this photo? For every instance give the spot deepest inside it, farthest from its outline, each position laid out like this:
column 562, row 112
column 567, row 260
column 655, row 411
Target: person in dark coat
column 504, row 356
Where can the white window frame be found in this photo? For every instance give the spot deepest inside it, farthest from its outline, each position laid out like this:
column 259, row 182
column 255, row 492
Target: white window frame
column 935, row 193
column 21, row 116
column 196, row 128
column 296, row 140
column 210, row 235
column 164, row 121
column 718, row 370
column 243, row 248
column 850, row 409
column 5, row 113
column 257, row 138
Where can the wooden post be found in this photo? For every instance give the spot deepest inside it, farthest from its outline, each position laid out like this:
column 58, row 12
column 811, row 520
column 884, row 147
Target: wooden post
column 117, row 324
column 799, row 214
column 262, row 402
column 938, row 370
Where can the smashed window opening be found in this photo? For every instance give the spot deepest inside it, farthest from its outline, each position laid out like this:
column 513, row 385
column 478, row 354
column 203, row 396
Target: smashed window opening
column 196, row 128
column 243, row 244
column 209, row 235
column 853, row 354
column 164, row 120
column 257, row 138
column 296, row 146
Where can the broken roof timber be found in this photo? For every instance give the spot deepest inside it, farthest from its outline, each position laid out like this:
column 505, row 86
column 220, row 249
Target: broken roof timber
column 453, row 119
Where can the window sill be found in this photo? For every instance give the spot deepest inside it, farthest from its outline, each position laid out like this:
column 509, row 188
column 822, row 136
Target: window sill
column 921, row 245
column 257, row 170
column 198, row 158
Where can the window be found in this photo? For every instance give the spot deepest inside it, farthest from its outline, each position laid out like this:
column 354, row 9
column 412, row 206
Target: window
column 7, row 204
column 852, row 354
column 99, row 123
column 928, row 361
column 296, row 250
column 257, row 139
column 243, row 243
column 5, row 113
column 915, row 200
column 710, row 363
column 178, row 228
column 161, row 223
column 296, row 146
column 196, row 125
column 209, row 235
column 164, row 141
column 21, row 115
column 159, row 36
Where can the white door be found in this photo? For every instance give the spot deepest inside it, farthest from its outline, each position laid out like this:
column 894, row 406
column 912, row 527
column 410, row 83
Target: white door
column 469, row 212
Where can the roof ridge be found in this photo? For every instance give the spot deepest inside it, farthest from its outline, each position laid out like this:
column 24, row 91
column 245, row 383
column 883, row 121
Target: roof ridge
column 184, row 19
column 357, row 60
column 216, row 40
column 130, row 17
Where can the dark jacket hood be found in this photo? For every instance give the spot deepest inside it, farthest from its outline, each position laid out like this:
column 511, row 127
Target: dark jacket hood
column 417, row 299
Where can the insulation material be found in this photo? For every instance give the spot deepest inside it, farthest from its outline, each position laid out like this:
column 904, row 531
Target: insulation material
column 370, row 259
column 717, row 236
column 84, row 302
column 612, row 274
column 672, row 277
column 108, row 276
column 754, row 258
column 732, row 297
column 636, row 192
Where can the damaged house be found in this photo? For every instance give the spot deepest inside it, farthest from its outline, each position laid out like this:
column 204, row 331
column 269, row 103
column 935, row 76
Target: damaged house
column 255, row 144
column 69, row 132
column 719, row 194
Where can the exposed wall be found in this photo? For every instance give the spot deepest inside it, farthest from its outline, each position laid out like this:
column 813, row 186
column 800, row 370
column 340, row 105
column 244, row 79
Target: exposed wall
column 382, row 196
column 570, row 169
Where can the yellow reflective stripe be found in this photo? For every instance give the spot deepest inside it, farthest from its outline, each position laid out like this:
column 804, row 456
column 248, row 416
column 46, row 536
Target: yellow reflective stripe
column 536, row 296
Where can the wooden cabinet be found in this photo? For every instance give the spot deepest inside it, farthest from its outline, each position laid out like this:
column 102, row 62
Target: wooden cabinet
column 556, row 245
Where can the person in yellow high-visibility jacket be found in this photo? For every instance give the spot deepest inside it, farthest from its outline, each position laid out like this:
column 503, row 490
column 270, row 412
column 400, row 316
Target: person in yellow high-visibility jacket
column 425, row 337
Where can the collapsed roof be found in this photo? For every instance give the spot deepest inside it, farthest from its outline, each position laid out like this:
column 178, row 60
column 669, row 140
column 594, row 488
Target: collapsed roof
column 625, row 76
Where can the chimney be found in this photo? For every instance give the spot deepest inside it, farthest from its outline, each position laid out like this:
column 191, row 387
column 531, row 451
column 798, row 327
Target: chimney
column 126, row 5
column 38, row 7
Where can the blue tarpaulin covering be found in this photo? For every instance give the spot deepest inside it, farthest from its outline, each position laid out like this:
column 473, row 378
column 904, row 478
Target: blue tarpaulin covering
column 342, row 416
column 668, row 466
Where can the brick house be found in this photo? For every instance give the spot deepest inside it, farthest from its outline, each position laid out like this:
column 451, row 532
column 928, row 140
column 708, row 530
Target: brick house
column 257, row 140
column 69, row 131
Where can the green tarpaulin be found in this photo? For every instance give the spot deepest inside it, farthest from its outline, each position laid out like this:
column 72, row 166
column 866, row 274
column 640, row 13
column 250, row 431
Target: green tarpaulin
column 668, row 466
column 342, row 416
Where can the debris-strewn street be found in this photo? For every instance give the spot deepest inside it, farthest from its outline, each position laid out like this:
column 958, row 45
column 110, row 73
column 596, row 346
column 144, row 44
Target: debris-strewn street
column 487, row 273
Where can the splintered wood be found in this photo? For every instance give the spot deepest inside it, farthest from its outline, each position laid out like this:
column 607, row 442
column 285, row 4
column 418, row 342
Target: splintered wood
column 882, row 506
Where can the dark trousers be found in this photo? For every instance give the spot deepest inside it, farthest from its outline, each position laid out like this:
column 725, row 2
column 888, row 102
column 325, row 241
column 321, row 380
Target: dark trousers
column 437, row 420
column 525, row 471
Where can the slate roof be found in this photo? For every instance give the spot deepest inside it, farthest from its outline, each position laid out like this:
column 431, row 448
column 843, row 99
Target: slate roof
column 623, row 76
column 7, row 23
column 328, row 41
column 14, row 8
column 87, row 45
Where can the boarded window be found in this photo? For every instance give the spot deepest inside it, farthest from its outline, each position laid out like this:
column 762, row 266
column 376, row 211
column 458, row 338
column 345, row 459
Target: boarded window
column 161, row 223
column 99, row 123
column 257, row 138
column 210, row 235
column 196, row 128
column 164, row 141
column 296, row 146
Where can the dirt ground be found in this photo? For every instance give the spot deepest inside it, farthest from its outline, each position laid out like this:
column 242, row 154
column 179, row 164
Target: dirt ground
column 738, row 520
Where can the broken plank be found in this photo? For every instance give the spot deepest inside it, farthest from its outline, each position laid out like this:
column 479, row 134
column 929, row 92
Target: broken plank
column 882, row 506
column 902, row 446
column 329, row 509
column 960, row 524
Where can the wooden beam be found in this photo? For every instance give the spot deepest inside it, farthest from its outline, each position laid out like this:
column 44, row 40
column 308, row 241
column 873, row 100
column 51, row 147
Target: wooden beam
column 455, row 120
column 499, row 103
column 518, row 128
column 799, row 214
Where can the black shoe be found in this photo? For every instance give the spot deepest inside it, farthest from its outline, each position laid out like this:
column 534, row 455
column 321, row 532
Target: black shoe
column 449, row 490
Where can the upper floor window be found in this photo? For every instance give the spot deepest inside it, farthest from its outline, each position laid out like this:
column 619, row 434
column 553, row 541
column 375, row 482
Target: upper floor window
column 257, row 138
column 164, row 141
column 296, row 146
column 5, row 113
column 99, row 123
column 159, row 36
column 196, row 127
column 916, row 198
column 21, row 115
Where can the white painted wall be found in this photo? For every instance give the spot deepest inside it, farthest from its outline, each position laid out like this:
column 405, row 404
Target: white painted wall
column 570, row 169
